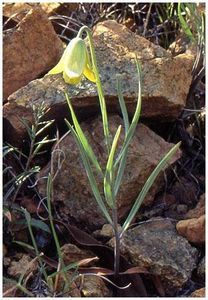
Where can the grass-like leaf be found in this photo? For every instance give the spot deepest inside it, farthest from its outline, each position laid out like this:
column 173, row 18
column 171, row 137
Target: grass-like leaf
column 84, row 140
column 28, row 219
column 47, row 124
column 36, row 223
column 120, row 172
column 122, row 163
column 147, row 186
column 184, row 24
column 90, row 175
column 109, row 174
column 135, row 119
column 25, row 245
column 123, row 106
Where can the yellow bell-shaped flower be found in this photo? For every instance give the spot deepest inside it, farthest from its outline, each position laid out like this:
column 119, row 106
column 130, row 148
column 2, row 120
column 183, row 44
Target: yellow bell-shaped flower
column 75, row 63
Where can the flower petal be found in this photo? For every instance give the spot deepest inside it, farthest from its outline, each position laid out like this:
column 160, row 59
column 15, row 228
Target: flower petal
column 58, row 68
column 88, row 71
column 89, row 74
column 72, row 78
column 75, row 61
column 60, row 65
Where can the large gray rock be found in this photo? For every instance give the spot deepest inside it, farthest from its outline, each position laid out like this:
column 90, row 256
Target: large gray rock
column 30, row 49
column 156, row 246
column 165, row 79
column 72, row 192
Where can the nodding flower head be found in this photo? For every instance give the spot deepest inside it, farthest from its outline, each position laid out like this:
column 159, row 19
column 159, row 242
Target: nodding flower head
column 75, row 63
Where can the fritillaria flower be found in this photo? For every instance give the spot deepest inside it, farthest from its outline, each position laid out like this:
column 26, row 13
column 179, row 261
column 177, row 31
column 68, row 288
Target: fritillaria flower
column 75, row 63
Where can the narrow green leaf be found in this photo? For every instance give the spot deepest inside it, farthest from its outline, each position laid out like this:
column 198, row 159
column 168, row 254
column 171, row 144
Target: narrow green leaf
column 93, row 184
column 104, row 114
column 74, row 265
column 135, row 119
column 36, row 223
column 123, row 106
column 147, row 186
column 25, row 245
column 17, row 151
column 108, row 179
column 44, row 127
column 120, row 172
column 84, row 140
column 23, row 176
column 40, row 144
column 184, row 24
column 7, row 149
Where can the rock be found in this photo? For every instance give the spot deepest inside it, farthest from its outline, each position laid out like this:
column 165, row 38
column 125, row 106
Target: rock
column 192, row 229
column 156, row 246
column 201, row 269
column 106, row 232
column 55, row 8
column 182, row 209
column 31, row 49
column 182, row 44
column 84, row 286
column 199, row 210
column 71, row 253
column 74, row 290
column 72, row 192
column 16, row 11
column 165, row 80
column 25, row 264
column 185, row 191
column 94, row 286
column 200, row 293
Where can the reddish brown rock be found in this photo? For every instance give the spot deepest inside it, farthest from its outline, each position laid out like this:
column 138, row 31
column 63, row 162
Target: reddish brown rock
column 71, row 253
column 165, row 80
column 16, row 11
column 29, row 50
column 200, row 293
column 199, row 210
column 72, row 192
column 55, row 8
column 192, row 229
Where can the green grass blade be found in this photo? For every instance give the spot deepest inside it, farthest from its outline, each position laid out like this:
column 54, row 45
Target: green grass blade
column 123, row 106
column 22, row 244
column 108, row 179
column 28, row 219
column 83, row 139
column 47, row 124
column 147, row 186
column 65, row 269
column 120, row 172
column 36, row 223
column 135, row 118
column 90, row 175
column 104, row 114
column 184, row 24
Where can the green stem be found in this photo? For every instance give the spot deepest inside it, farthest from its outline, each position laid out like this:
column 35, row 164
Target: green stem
column 98, row 84
column 117, row 242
